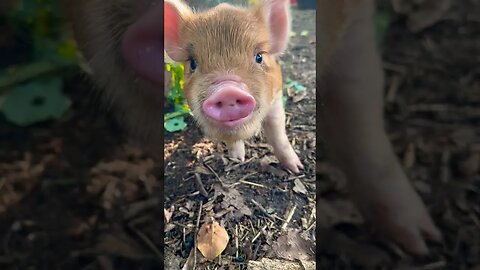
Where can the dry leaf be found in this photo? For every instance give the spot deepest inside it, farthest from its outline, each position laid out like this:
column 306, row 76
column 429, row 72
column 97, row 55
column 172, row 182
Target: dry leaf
column 299, row 187
column 299, row 96
column 168, row 213
column 201, row 169
column 212, row 239
column 292, row 246
column 232, row 198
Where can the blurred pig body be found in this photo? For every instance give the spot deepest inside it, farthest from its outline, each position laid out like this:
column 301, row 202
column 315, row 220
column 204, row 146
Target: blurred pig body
column 350, row 84
column 101, row 29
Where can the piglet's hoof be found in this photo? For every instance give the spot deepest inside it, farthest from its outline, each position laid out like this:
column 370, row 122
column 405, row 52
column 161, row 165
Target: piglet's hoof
column 290, row 160
column 236, row 151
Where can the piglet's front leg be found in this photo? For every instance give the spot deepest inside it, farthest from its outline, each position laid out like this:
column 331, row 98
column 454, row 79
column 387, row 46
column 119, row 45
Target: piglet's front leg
column 274, row 130
column 236, row 150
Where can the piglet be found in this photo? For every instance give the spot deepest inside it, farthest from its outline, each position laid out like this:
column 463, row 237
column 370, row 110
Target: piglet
column 233, row 81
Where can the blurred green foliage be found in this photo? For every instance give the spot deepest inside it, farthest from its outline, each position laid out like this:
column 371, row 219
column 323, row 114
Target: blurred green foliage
column 42, row 24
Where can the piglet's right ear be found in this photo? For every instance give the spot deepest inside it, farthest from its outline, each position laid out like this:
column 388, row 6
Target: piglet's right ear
column 175, row 13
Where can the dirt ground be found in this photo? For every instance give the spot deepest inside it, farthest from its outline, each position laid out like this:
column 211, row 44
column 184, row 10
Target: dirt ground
column 75, row 195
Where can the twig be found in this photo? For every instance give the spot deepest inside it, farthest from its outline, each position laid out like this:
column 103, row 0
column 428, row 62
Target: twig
column 214, row 173
column 196, row 232
column 200, row 186
column 236, row 240
column 251, row 183
column 259, row 233
column 393, row 89
column 147, row 241
column 260, row 207
column 289, row 217
column 135, row 208
column 311, row 226
column 394, row 67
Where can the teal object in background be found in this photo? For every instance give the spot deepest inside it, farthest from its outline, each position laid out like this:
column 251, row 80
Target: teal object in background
column 36, row 101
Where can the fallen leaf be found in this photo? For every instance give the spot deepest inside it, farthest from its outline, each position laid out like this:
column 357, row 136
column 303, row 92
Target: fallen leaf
column 168, row 213
column 299, row 96
column 212, row 239
column 172, row 261
column 232, row 198
column 299, row 187
column 201, row 169
column 266, row 161
column 292, row 246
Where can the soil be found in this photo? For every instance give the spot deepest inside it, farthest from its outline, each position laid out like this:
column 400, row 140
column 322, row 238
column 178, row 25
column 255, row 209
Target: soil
column 74, row 194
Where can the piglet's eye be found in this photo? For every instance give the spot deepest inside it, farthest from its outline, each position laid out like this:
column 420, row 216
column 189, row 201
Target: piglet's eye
column 259, row 58
column 193, row 64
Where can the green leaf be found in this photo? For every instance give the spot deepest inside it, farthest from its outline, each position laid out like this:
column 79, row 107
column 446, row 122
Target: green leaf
column 34, row 102
column 23, row 73
column 175, row 124
column 270, row 210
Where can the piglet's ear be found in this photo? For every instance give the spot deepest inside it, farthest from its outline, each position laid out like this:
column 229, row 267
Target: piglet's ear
column 175, row 13
column 277, row 17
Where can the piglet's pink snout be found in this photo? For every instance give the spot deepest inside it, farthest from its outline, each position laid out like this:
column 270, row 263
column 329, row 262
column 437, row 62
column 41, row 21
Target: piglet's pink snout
column 229, row 103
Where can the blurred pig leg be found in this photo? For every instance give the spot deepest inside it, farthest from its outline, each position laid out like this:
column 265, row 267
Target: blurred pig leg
column 352, row 115
column 236, row 150
column 274, row 130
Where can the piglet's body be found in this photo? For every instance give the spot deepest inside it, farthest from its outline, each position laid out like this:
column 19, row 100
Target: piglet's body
column 233, row 81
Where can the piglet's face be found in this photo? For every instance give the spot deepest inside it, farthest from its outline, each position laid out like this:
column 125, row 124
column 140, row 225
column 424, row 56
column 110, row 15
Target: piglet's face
column 231, row 73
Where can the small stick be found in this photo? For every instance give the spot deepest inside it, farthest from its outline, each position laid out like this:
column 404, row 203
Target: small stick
column 289, row 217
column 259, row 233
column 264, row 210
column 251, row 183
column 311, row 226
column 236, row 240
column 195, row 238
column 200, row 186
column 216, row 175
column 148, row 242
column 393, row 89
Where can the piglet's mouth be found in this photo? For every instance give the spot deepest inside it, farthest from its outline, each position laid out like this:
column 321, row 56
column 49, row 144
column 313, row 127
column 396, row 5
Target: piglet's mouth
column 229, row 104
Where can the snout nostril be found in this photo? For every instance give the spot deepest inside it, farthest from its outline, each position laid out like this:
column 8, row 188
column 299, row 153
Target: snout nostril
column 219, row 104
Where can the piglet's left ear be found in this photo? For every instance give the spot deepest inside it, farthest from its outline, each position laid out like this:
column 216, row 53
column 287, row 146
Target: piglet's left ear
column 277, row 17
